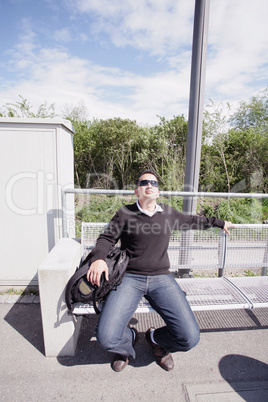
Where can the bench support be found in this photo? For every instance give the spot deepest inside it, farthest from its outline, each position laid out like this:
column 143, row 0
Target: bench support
column 60, row 330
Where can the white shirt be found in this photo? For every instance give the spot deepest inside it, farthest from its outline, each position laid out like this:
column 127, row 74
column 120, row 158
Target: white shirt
column 157, row 209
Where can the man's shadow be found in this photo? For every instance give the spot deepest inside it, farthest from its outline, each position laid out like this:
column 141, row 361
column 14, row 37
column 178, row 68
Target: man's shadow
column 247, row 376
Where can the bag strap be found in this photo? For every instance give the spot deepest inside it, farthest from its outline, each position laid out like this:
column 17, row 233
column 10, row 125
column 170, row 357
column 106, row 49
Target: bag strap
column 97, row 311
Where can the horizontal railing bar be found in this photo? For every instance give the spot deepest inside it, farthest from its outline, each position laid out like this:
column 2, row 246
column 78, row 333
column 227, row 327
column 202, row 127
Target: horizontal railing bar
column 165, row 193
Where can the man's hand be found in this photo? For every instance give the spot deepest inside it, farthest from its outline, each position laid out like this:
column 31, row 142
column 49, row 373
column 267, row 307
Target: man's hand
column 228, row 225
column 95, row 271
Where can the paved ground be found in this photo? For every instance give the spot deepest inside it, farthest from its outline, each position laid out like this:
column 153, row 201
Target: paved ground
column 229, row 364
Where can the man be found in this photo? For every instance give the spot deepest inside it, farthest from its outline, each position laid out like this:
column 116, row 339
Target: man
column 144, row 229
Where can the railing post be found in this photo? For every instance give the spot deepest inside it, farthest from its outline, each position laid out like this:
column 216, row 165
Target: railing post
column 64, row 214
column 265, row 260
column 187, row 237
column 222, row 251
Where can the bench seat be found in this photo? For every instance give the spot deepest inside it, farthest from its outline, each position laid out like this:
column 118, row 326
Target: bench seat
column 211, row 294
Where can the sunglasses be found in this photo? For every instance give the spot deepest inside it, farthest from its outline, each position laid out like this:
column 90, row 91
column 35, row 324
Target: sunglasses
column 154, row 183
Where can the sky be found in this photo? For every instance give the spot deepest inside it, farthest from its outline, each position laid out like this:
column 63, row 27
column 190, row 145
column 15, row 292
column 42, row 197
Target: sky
column 130, row 58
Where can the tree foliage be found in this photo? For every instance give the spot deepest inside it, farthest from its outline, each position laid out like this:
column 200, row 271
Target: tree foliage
column 252, row 115
column 23, row 108
column 167, row 151
column 235, row 150
column 109, row 153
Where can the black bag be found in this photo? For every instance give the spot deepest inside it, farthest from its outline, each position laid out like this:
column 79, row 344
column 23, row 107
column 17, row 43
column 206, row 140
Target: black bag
column 80, row 290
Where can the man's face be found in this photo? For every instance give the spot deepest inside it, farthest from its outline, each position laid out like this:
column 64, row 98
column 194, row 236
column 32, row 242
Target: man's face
column 147, row 192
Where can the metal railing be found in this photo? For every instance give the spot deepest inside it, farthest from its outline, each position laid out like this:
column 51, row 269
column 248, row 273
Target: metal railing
column 162, row 193
column 246, row 247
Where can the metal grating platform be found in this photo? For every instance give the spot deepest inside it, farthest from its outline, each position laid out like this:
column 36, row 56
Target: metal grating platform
column 254, row 288
column 205, row 294
column 212, row 294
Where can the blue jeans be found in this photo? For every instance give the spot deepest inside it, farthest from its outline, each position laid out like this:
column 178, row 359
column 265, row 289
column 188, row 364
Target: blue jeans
column 181, row 332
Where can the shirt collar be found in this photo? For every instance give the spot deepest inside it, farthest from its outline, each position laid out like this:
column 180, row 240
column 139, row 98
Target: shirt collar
column 157, row 209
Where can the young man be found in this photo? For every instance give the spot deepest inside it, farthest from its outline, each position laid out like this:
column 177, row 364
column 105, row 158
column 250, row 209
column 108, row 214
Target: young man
column 144, row 229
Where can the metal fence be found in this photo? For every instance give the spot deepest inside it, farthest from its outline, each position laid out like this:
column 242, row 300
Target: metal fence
column 246, row 247
column 65, row 193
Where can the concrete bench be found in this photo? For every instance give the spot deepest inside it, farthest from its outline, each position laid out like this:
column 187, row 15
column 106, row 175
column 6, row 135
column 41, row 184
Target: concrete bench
column 246, row 247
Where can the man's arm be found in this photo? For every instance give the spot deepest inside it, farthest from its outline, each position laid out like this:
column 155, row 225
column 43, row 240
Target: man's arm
column 108, row 238
column 187, row 222
column 103, row 245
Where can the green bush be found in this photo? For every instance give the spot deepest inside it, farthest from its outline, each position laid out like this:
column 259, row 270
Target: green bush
column 101, row 208
column 265, row 209
column 208, row 210
column 240, row 210
column 174, row 202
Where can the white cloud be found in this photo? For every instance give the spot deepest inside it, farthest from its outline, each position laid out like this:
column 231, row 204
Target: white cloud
column 62, row 35
column 26, row 46
column 156, row 26
column 163, row 28
column 237, row 36
column 57, row 77
column 237, row 47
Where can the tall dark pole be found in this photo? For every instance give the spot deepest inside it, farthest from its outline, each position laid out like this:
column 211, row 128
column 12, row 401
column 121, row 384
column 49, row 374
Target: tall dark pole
column 196, row 102
column 195, row 122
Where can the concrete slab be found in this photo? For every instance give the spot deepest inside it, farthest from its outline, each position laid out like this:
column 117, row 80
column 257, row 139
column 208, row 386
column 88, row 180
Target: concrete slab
column 250, row 391
column 3, row 298
column 36, row 299
column 27, row 299
column 11, row 299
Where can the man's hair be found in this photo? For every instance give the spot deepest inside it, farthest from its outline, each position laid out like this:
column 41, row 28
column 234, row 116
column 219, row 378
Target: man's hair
column 149, row 171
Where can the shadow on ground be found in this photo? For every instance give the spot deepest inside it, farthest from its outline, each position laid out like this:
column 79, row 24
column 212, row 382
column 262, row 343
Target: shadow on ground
column 26, row 320
column 244, row 369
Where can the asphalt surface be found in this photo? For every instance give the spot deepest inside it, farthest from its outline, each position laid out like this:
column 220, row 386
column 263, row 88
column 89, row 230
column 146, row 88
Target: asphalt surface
column 229, row 364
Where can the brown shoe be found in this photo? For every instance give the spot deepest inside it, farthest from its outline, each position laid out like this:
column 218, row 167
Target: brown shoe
column 162, row 357
column 120, row 362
